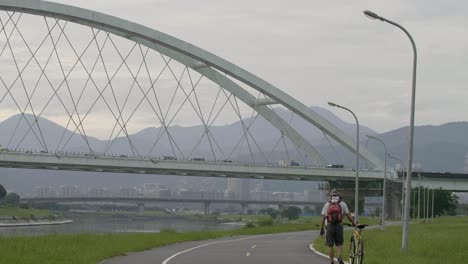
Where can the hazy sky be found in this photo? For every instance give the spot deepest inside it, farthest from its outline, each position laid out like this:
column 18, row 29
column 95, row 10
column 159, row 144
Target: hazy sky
column 319, row 51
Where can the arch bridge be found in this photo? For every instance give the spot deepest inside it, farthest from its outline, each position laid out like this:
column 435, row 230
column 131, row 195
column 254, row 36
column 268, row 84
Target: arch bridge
column 92, row 92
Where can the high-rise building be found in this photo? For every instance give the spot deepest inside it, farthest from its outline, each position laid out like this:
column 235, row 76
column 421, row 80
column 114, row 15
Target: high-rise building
column 237, row 189
column 98, row 192
column 151, row 190
column 69, row 191
column 466, row 163
column 46, row 191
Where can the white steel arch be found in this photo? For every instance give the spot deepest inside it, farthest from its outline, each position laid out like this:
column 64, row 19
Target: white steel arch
column 206, row 64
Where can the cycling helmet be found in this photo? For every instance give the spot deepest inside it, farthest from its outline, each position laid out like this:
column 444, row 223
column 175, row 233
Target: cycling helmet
column 334, row 192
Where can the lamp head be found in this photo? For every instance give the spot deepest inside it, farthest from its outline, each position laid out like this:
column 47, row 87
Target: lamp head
column 332, row 104
column 371, row 15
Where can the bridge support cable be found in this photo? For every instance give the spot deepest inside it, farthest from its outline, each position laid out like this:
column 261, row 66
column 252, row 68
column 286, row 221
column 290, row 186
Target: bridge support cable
column 282, row 134
column 99, row 49
column 198, row 112
column 245, row 128
column 210, row 121
column 203, row 62
column 333, row 148
column 164, row 116
column 43, row 69
column 111, row 139
column 239, row 92
column 263, row 110
column 88, row 80
column 43, row 143
column 65, row 78
column 8, row 88
column 161, row 116
column 187, row 98
column 206, row 130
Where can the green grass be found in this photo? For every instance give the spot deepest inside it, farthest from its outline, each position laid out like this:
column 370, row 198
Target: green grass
column 443, row 241
column 92, row 248
column 20, row 212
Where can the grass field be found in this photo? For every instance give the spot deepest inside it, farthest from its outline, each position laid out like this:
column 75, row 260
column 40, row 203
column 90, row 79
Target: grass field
column 20, row 212
column 93, row 248
column 443, row 241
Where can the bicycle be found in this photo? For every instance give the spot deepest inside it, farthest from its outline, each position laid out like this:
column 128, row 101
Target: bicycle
column 356, row 245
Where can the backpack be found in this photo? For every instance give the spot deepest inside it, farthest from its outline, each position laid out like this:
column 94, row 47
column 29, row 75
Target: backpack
column 334, row 214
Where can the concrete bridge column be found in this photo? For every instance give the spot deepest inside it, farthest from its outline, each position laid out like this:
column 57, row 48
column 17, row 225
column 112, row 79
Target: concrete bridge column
column 244, row 208
column 206, row 207
column 141, row 208
column 393, row 200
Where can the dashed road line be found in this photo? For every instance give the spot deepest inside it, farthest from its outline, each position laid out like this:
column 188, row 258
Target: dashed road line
column 207, row 244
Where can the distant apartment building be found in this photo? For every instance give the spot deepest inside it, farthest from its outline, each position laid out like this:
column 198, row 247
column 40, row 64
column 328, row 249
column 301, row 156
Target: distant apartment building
column 283, row 196
column 237, row 189
column 129, row 192
column 261, row 196
column 98, row 192
column 69, row 191
column 187, row 194
column 46, row 191
column 466, row 163
column 155, row 190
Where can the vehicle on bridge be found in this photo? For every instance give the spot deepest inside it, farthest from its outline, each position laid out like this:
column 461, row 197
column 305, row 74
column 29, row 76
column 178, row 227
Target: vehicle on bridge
column 198, row 159
column 335, row 166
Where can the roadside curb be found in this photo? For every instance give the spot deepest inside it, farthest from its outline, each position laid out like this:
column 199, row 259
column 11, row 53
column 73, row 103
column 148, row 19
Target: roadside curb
column 311, row 247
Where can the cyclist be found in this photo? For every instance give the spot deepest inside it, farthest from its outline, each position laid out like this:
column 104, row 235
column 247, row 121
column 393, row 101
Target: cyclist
column 333, row 212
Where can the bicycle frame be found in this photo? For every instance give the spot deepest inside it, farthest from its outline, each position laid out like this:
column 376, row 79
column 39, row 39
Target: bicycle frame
column 356, row 246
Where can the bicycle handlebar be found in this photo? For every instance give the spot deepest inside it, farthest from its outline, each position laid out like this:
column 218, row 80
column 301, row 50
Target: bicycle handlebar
column 360, row 226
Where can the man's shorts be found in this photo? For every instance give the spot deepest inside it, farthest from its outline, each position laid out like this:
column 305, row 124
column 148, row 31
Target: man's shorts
column 334, row 235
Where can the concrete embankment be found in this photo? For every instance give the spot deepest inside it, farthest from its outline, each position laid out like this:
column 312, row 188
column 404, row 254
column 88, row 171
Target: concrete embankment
column 38, row 222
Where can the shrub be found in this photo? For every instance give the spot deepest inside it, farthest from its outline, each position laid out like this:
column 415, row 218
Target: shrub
column 168, row 230
column 249, row 225
column 265, row 222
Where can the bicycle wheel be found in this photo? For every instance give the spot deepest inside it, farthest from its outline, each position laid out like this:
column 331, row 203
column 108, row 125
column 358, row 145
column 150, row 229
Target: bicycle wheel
column 352, row 250
column 360, row 252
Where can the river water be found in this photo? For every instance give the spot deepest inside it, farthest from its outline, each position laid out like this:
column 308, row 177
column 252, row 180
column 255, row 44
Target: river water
column 95, row 223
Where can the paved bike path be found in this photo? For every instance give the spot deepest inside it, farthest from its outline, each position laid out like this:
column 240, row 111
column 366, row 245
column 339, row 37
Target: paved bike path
column 281, row 248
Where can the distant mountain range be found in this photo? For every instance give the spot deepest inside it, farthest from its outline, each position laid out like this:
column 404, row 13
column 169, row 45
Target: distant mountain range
column 223, row 141
column 437, row 148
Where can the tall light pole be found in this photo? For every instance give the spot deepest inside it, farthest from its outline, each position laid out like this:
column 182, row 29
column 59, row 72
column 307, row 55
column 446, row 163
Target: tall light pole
column 384, row 179
column 404, row 239
column 356, row 181
column 402, row 166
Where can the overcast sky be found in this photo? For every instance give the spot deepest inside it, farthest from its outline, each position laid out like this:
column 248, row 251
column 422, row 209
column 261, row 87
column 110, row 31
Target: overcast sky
column 320, row 51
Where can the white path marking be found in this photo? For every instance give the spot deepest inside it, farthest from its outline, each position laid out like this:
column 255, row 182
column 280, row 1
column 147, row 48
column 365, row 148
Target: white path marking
column 247, row 254
column 204, row 245
column 254, row 246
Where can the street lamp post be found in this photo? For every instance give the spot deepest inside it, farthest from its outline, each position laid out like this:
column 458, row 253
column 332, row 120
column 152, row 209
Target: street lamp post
column 384, row 179
column 404, row 240
column 356, row 181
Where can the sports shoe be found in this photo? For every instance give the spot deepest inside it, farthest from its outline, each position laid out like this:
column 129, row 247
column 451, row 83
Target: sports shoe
column 340, row 261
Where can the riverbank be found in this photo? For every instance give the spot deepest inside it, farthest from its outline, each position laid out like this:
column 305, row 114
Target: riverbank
column 93, row 248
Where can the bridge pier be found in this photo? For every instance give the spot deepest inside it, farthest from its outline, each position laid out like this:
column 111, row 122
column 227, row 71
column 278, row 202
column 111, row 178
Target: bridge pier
column 393, row 200
column 141, row 208
column 244, row 208
column 206, row 208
